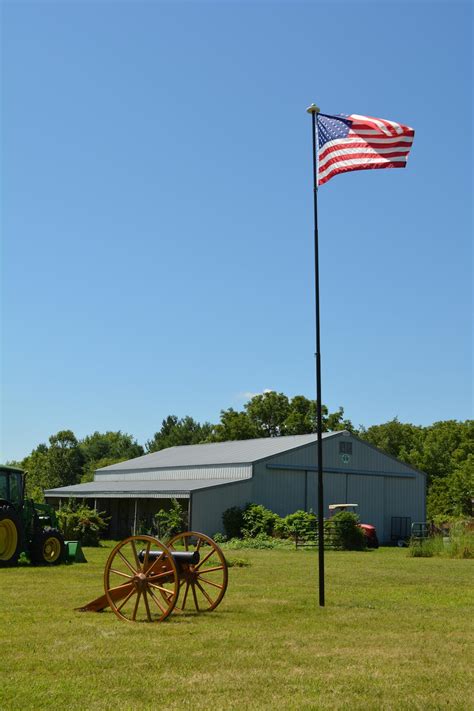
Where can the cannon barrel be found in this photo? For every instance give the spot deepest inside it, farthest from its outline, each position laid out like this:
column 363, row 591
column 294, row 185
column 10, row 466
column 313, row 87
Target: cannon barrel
column 179, row 557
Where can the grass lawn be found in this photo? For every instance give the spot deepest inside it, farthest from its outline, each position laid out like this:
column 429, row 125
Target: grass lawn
column 397, row 633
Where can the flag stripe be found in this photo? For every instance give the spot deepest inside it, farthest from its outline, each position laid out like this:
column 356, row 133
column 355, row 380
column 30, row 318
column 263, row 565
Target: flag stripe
column 392, row 164
column 381, row 124
column 373, row 132
column 348, row 163
column 401, row 142
column 337, row 151
column 360, row 142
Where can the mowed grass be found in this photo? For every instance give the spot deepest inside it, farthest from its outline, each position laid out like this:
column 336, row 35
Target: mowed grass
column 396, row 634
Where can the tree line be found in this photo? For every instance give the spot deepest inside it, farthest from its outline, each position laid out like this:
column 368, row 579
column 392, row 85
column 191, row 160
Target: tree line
column 444, row 450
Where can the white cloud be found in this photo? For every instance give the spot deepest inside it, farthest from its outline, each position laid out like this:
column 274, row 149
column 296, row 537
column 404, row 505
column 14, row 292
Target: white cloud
column 249, row 395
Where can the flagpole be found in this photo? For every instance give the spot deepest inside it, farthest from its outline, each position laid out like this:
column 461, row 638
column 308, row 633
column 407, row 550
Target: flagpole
column 314, row 110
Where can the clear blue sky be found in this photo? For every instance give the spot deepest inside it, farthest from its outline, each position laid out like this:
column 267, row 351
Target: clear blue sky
column 157, row 213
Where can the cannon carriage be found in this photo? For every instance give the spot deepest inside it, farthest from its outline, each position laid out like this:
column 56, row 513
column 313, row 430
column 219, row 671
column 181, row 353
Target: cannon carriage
column 145, row 580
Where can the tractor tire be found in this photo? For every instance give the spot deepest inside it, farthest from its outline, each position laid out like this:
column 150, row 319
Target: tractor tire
column 48, row 547
column 11, row 536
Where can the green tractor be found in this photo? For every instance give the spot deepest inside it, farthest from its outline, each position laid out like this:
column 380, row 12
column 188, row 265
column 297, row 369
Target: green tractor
column 26, row 526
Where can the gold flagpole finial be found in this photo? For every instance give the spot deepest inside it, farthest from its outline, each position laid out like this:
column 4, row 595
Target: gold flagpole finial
column 313, row 109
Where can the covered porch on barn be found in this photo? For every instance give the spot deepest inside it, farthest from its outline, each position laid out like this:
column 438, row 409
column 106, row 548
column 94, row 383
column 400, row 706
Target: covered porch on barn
column 130, row 517
column 129, row 506
column 127, row 517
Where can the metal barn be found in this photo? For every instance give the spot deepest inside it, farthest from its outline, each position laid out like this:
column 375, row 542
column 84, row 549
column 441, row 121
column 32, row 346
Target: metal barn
column 279, row 472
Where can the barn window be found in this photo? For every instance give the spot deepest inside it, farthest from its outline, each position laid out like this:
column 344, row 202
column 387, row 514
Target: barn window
column 345, row 447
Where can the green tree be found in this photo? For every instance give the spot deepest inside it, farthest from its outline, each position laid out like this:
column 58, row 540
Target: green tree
column 301, row 417
column 60, row 464
column 461, row 488
column 446, row 444
column 89, row 468
column 233, row 426
column 401, row 440
column 102, row 449
column 272, row 414
column 267, row 413
column 452, row 495
column 36, row 467
column 444, row 450
column 65, row 459
column 113, row 445
column 176, row 432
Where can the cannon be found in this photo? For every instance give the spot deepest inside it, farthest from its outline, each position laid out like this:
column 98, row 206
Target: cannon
column 145, row 580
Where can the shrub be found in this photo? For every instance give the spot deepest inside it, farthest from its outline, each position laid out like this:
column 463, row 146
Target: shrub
column 426, row 548
column 260, row 542
column 233, row 520
column 343, row 532
column 249, row 521
column 79, row 522
column 459, row 543
column 238, row 562
column 301, row 524
column 258, row 520
column 169, row 522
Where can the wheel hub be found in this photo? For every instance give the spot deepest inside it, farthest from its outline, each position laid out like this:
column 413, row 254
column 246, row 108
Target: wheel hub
column 140, row 581
column 51, row 549
column 8, row 539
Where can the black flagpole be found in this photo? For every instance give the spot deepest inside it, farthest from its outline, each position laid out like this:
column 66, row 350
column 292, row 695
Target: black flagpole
column 314, row 110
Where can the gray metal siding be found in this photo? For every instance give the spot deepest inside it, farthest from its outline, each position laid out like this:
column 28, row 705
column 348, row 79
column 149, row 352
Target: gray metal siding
column 282, row 491
column 234, row 471
column 381, row 486
column 364, row 458
column 368, row 492
column 335, row 490
column 403, row 497
column 303, row 457
column 208, row 505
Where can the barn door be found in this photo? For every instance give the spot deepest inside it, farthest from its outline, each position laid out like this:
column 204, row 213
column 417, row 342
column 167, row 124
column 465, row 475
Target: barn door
column 368, row 492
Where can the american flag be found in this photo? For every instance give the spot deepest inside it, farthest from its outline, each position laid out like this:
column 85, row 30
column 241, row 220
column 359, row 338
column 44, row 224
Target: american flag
column 359, row 143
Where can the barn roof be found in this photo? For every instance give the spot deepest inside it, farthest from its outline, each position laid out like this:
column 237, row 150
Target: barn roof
column 174, row 488
column 244, row 451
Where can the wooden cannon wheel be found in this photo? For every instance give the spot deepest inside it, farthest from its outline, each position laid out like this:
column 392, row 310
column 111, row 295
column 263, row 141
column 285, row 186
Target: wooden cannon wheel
column 141, row 580
column 202, row 585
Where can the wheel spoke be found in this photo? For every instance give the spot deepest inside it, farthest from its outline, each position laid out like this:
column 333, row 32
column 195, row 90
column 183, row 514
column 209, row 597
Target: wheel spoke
column 186, row 543
column 194, row 596
column 145, row 560
column 135, row 555
column 156, row 601
column 126, row 599
column 148, row 613
column 210, row 582
column 167, row 593
column 119, row 572
column 157, row 560
column 212, row 570
column 158, row 587
column 134, row 614
column 158, row 576
column 198, row 545
column 127, row 563
column 196, row 567
column 210, row 601
column 185, row 595
column 119, row 587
